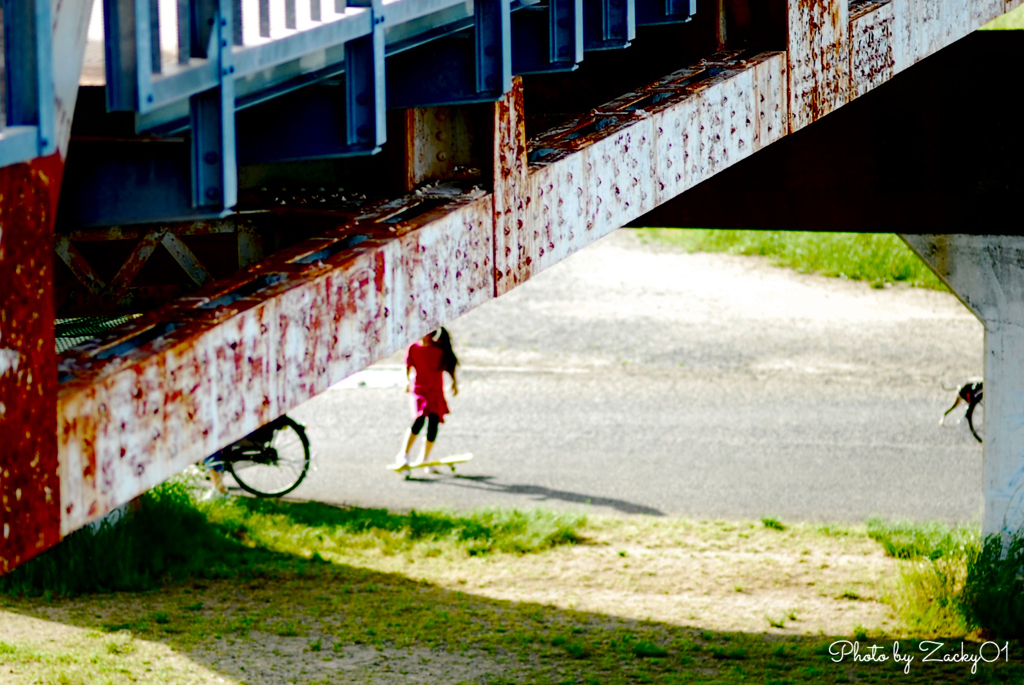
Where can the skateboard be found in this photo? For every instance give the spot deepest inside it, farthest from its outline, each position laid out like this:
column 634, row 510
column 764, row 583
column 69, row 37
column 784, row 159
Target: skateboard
column 450, row 462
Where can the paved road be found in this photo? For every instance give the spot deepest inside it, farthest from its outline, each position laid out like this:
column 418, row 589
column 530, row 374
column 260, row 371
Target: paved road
column 637, row 379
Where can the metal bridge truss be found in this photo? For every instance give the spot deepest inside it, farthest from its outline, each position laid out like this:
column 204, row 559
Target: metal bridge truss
column 229, row 55
column 345, row 279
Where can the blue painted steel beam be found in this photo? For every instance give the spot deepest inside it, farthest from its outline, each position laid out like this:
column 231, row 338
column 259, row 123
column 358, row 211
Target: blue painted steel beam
column 365, row 95
column 134, row 85
column 18, row 144
column 657, row 12
column 28, row 131
column 474, row 65
column 608, row 24
column 323, row 121
column 547, row 38
column 405, row 11
column 126, row 182
column 128, row 54
column 213, row 166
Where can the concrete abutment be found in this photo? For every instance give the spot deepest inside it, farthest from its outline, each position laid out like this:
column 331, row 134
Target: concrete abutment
column 987, row 273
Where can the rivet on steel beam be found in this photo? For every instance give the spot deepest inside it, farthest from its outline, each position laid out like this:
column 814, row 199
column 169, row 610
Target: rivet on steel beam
column 363, row 131
column 362, row 99
column 490, row 81
column 212, row 193
column 563, row 51
column 211, row 158
column 439, row 136
column 441, row 156
column 563, row 23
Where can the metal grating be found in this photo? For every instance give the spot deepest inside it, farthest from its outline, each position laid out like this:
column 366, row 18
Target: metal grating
column 74, row 331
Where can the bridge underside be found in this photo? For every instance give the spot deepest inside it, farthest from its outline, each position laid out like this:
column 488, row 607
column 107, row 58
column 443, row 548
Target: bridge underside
column 328, row 265
column 931, row 151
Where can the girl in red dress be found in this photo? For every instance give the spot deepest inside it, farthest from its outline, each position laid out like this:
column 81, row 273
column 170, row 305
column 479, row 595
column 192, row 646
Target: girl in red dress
column 426, row 362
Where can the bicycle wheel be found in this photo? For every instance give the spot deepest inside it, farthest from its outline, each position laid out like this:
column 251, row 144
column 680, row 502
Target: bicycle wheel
column 274, row 467
column 976, row 419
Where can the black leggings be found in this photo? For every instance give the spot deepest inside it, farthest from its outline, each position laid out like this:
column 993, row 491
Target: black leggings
column 433, row 421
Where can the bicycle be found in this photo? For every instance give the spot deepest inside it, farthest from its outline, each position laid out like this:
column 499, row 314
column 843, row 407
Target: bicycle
column 269, row 462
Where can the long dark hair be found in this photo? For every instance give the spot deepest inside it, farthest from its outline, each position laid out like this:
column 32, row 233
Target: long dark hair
column 443, row 339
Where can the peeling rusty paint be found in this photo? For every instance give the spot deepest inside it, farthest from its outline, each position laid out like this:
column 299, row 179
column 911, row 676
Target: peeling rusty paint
column 771, row 95
column 323, row 313
column 819, row 60
column 888, row 37
column 439, row 140
column 871, row 52
column 513, row 241
column 620, row 161
column 29, row 480
column 130, row 420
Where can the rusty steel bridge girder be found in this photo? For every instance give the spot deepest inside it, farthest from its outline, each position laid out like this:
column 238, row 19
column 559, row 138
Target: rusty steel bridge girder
column 193, row 375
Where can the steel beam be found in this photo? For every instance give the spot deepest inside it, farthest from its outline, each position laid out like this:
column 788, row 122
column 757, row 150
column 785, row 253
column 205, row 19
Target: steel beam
column 856, row 48
column 197, row 374
column 470, row 66
column 206, row 370
column 659, row 12
column 324, row 121
column 548, row 37
column 900, row 160
column 30, row 496
column 608, row 24
column 203, row 372
column 128, row 54
column 27, row 130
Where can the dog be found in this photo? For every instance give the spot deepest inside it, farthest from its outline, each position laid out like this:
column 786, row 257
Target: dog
column 972, row 394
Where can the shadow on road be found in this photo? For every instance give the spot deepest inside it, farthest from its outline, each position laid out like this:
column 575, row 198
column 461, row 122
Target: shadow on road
column 539, row 493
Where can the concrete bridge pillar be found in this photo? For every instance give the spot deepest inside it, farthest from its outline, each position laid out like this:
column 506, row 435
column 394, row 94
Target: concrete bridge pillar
column 987, row 273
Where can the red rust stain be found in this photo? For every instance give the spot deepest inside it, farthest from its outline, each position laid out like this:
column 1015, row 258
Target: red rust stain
column 379, row 273
column 510, row 167
column 29, row 479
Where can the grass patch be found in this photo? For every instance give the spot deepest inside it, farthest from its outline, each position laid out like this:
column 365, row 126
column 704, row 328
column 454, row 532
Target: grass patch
column 310, row 529
column 170, row 537
column 993, row 592
column 927, row 594
column 1010, row 21
column 951, row 583
column 910, row 540
column 878, row 258
column 405, row 595
column 165, row 539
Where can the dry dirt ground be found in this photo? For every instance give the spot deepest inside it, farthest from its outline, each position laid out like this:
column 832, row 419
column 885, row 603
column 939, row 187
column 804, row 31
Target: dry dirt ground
column 667, row 580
